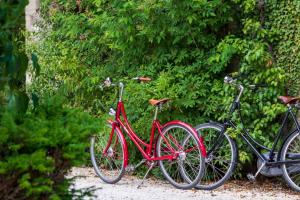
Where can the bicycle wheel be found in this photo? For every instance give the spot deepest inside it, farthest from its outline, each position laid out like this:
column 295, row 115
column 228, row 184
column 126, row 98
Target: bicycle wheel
column 109, row 165
column 189, row 158
column 291, row 151
column 221, row 156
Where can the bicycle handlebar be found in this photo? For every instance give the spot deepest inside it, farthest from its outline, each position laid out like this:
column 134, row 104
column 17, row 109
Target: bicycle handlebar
column 108, row 83
column 231, row 81
column 256, row 86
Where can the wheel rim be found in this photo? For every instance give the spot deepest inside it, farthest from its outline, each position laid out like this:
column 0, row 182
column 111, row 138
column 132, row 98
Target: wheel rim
column 188, row 157
column 108, row 165
column 218, row 163
column 292, row 171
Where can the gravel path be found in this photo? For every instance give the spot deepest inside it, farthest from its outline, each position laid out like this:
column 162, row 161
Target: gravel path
column 153, row 189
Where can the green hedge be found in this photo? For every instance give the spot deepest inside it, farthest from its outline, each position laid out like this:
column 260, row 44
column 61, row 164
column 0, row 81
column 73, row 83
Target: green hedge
column 186, row 47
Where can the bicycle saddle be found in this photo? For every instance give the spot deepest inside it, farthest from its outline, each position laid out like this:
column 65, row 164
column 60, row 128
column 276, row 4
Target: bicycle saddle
column 155, row 102
column 288, row 99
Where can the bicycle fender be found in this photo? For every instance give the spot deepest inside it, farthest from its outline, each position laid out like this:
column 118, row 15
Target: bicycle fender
column 192, row 130
column 220, row 125
column 216, row 123
column 115, row 126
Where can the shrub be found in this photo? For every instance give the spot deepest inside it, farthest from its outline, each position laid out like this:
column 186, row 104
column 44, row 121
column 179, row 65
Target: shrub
column 37, row 146
column 186, row 47
column 38, row 150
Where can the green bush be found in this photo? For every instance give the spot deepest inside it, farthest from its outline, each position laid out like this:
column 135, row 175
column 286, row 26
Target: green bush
column 37, row 151
column 39, row 143
column 186, row 47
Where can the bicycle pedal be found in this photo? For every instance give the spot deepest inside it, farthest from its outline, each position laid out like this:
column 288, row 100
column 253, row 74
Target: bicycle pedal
column 129, row 168
column 251, row 177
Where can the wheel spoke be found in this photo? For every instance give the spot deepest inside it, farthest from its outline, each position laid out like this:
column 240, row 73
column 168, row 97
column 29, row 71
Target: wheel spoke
column 291, row 150
column 109, row 167
column 188, row 161
column 220, row 162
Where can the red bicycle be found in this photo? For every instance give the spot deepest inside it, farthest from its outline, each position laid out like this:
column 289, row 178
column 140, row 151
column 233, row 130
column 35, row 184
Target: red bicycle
column 179, row 158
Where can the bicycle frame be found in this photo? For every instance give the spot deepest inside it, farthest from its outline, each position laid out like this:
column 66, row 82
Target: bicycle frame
column 145, row 148
column 148, row 154
column 251, row 141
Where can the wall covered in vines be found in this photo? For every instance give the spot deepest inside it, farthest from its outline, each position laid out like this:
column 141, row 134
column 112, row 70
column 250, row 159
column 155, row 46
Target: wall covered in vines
column 283, row 17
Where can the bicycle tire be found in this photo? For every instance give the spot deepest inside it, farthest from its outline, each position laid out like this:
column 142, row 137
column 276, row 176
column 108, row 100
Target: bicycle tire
column 209, row 181
column 291, row 173
column 97, row 145
column 173, row 173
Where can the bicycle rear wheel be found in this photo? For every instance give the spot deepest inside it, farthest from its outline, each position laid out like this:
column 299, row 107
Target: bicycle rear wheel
column 189, row 157
column 291, row 151
column 108, row 165
column 221, row 156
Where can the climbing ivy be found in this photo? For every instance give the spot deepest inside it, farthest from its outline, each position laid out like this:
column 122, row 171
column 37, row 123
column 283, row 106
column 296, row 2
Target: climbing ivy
column 283, row 19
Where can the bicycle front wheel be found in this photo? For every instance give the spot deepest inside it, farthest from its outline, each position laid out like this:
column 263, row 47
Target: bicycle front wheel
column 109, row 165
column 221, row 156
column 291, row 152
column 188, row 157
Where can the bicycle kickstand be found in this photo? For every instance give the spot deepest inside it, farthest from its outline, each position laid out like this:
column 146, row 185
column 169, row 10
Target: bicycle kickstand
column 252, row 177
column 141, row 183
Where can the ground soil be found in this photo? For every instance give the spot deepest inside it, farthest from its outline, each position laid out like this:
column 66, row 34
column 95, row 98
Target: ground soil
column 126, row 189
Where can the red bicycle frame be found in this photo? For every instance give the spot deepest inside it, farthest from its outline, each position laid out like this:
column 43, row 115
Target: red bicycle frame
column 144, row 148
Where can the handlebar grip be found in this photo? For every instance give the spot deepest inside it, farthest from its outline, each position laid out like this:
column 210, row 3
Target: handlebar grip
column 256, row 86
column 143, row 79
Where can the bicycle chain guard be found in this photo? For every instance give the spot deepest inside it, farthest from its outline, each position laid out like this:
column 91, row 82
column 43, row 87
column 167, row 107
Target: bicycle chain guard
column 269, row 171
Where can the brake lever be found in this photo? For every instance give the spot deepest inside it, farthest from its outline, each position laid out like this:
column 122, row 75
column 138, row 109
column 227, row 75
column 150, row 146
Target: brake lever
column 257, row 86
column 252, row 87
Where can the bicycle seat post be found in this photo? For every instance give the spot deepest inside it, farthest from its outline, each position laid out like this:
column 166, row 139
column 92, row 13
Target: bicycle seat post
column 121, row 86
column 155, row 114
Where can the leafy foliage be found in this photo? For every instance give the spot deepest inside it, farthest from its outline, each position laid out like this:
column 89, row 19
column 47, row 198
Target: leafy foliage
column 13, row 60
column 37, row 151
column 38, row 146
column 186, row 47
column 283, row 20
